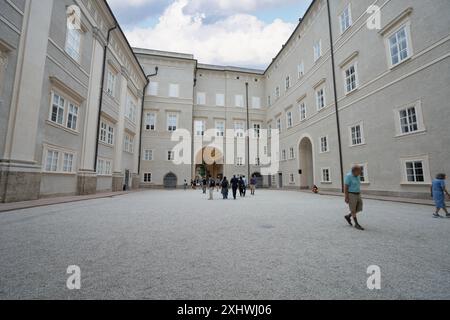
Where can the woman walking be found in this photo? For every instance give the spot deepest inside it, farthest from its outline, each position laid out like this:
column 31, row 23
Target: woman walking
column 438, row 192
column 225, row 185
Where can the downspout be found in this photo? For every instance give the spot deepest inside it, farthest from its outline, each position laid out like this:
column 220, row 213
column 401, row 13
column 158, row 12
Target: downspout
column 100, row 103
column 338, row 124
column 142, row 116
column 193, row 156
column 248, row 132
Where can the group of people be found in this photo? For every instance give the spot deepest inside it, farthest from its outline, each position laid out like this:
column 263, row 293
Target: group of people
column 355, row 202
column 236, row 184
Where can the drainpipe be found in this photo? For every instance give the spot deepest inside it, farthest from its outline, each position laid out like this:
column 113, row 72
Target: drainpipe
column 338, row 124
column 248, row 135
column 100, row 103
column 142, row 116
column 193, row 156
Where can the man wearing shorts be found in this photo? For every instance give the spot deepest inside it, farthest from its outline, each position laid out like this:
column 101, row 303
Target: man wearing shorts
column 353, row 196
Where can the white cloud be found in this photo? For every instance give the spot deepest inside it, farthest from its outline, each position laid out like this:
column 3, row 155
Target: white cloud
column 239, row 39
column 225, row 7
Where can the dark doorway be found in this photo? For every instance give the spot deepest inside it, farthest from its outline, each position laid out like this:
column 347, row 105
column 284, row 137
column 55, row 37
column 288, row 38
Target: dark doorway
column 170, row 181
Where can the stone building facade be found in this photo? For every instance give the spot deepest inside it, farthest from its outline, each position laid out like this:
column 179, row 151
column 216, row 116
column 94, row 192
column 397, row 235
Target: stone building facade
column 52, row 77
column 358, row 82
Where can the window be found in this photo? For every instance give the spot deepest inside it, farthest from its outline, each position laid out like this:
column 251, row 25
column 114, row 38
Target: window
column 256, row 103
column 356, row 135
column 128, row 145
column 279, row 124
column 239, row 101
column 302, row 111
column 220, row 100
column 399, row 47
column 288, row 83
column 106, row 133
column 239, row 161
column 415, row 171
column 257, row 161
column 170, row 155
column 201, row 98
column 150, row 121
column 153, row 88
column 364, row 177
column 277, row 92
column 320, row 99
column 130, row 111
column 68, row 162
column 239, row 129
column 291, row 153
column 199, row 127
column 220, row 128
column 72, row 117
column 73, row 43
column 148, row 155
column 174, row 90
column 346, row 19
column 283, row 155
column 408, row 120
column 104, row 167
column 317, row 50
column 257, row 130
column 289, row 120
column 58, row 107
column 350, row 79
column 291, row 178
column 326, row 176
column 324, row 144
column 301, row 70
column 111, row 83
column 172, row 122
column 51, row 164
column 147, row 177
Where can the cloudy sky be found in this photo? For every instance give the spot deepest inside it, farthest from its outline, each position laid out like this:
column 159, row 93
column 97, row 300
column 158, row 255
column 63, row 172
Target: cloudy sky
column 246, row 33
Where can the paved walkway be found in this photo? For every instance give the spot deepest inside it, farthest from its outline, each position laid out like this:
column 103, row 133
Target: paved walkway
column 51, row 201
column 384, row 198
column 177, row 245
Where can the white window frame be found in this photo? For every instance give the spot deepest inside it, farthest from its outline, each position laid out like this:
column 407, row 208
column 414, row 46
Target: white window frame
column 291, row 178
column 279, row 125
column 239, row 129
column 170, row 155
column 74, row 42
column 219, row 126
column 199, row 133
column 289, row 119
column 322, row 175
column 365, row 172
column 424, row 159
column 170, row 127
column 153, row 88
column 104, row 167
column 239, row 101
column 106, row 132
column 283, row 155
column 417, row 105
column 322, row 144
column 239, row 161
column 111, row 78
column 291, row 153
column 201, row 98
column 302, row 111
column 256, row 102
column 150, row 121
column 147, row 177
column 322, row 99
column 317, row 47
column 345, row 18
column 149, row 154
column 220, row 100
column 277, row 92
column 409, row 48
column 257, row 126
column 348, row 78
column 128, row 145
column 350, row 129
column 287, row 85
column 300, row 70
column 174, row 90
column 131, row 108
column 59, row 164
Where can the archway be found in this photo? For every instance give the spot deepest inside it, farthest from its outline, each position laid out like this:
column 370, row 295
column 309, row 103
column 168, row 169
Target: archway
column 170, row 181
column 306, row 163
column 209, row 162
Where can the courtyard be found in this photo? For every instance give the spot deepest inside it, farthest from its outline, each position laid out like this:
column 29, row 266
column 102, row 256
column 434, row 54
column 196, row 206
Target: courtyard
column 177, row 245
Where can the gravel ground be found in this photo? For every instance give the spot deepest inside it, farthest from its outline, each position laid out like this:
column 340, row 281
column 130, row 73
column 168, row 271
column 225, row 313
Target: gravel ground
column 178, row 245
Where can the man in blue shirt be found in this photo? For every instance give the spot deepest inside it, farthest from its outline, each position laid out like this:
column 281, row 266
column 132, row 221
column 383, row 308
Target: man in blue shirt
column 353, row 195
